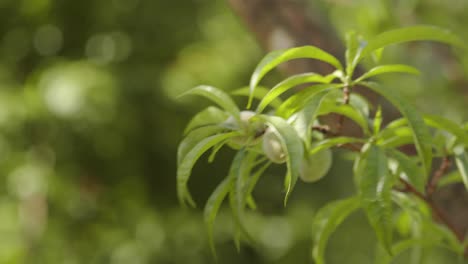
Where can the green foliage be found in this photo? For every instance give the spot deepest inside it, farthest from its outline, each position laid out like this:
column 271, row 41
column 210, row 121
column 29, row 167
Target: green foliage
column 292, row 133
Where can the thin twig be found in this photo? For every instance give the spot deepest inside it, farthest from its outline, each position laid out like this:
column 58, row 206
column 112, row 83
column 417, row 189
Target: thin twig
column 438, row 174
column 346, row 98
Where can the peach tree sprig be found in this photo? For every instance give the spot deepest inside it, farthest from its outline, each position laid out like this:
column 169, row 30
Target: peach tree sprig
column 288, row 131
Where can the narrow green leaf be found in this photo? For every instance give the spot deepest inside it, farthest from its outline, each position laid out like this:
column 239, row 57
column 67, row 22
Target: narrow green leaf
column 291, row 82
column 240, row 169
column 377, row 120
column 293, row 147
column 332, row 142
column 259, row 93
column 275, row 58
column 193, row 138
column 347, row 111
column 412, row 171
column 447, row 125
column 352, row 52
column 404, row 245
column 396, row 137
column 413, row 33
column 212, row 207
column 421, row 135
column 297, row 101
column 209, row 116
column 375, row 184
column 360, row 103
column 255, row 177
column 392, row 68
column 304, row 119
column 461, row 159
column 184, row 168
column 451, row 178
column 217, row 96
column 326, row 221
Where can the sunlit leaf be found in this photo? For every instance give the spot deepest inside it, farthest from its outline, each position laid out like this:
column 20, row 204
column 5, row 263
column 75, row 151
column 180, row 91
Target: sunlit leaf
column 461, row 159
column 360, row 103
column 326, row 221
column 332, row 142
column 297, row 101
column 413, row 33
column 217, row 96
column 396, row 137
column 353, row 50
column 289, row 83
column 451, row 178
column 377, row 120
column 304, row 118
column 293, row 147
column 347, row 111
column 392, row 68
column 184, row 168
column 259, row 93
column 447, row 125
column 275, row 58
column 421, row 135
column 375, row 183
column 209, row 116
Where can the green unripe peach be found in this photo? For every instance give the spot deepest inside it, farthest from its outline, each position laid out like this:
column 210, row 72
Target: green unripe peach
column 272, row 147
column 316, row 166
column 248, row 128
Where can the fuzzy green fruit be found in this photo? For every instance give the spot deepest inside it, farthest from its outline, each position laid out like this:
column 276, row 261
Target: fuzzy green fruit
column 272, row 147
column 316, row 166
column 248, row 129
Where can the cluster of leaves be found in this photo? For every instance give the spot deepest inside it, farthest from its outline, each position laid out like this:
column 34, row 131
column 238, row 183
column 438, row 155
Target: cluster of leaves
column 286, row 131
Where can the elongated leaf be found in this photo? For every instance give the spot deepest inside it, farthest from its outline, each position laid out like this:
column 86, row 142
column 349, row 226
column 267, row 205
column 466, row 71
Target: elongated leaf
column 377, row 120
column 461, row 159
column 332, row 142
column 392, row 68
column 297, row 101
column 354, row 48
column 275, row 58
column 240, row 169
column 184, row 168
column 193, row 138
column 392, row 138
column 447, row 125
column 451, row 178
column 412, row 172
column 360, row 103
column 209, row 116
column 348, row 111
column 259, row 93
column 289, row 83
column 413, row 33
column 404, row 245
column 305, row 117
column 293, row 147
column 212, row 207
column 217, row 96
column 375, row 184
column 421, row 135
column 253, row 181
column 326, row 221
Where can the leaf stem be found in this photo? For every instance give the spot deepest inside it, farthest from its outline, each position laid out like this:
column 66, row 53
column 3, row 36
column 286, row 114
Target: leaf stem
column 346, row 98
column 438, row 174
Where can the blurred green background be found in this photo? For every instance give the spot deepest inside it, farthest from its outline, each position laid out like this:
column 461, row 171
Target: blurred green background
column 90, row 122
